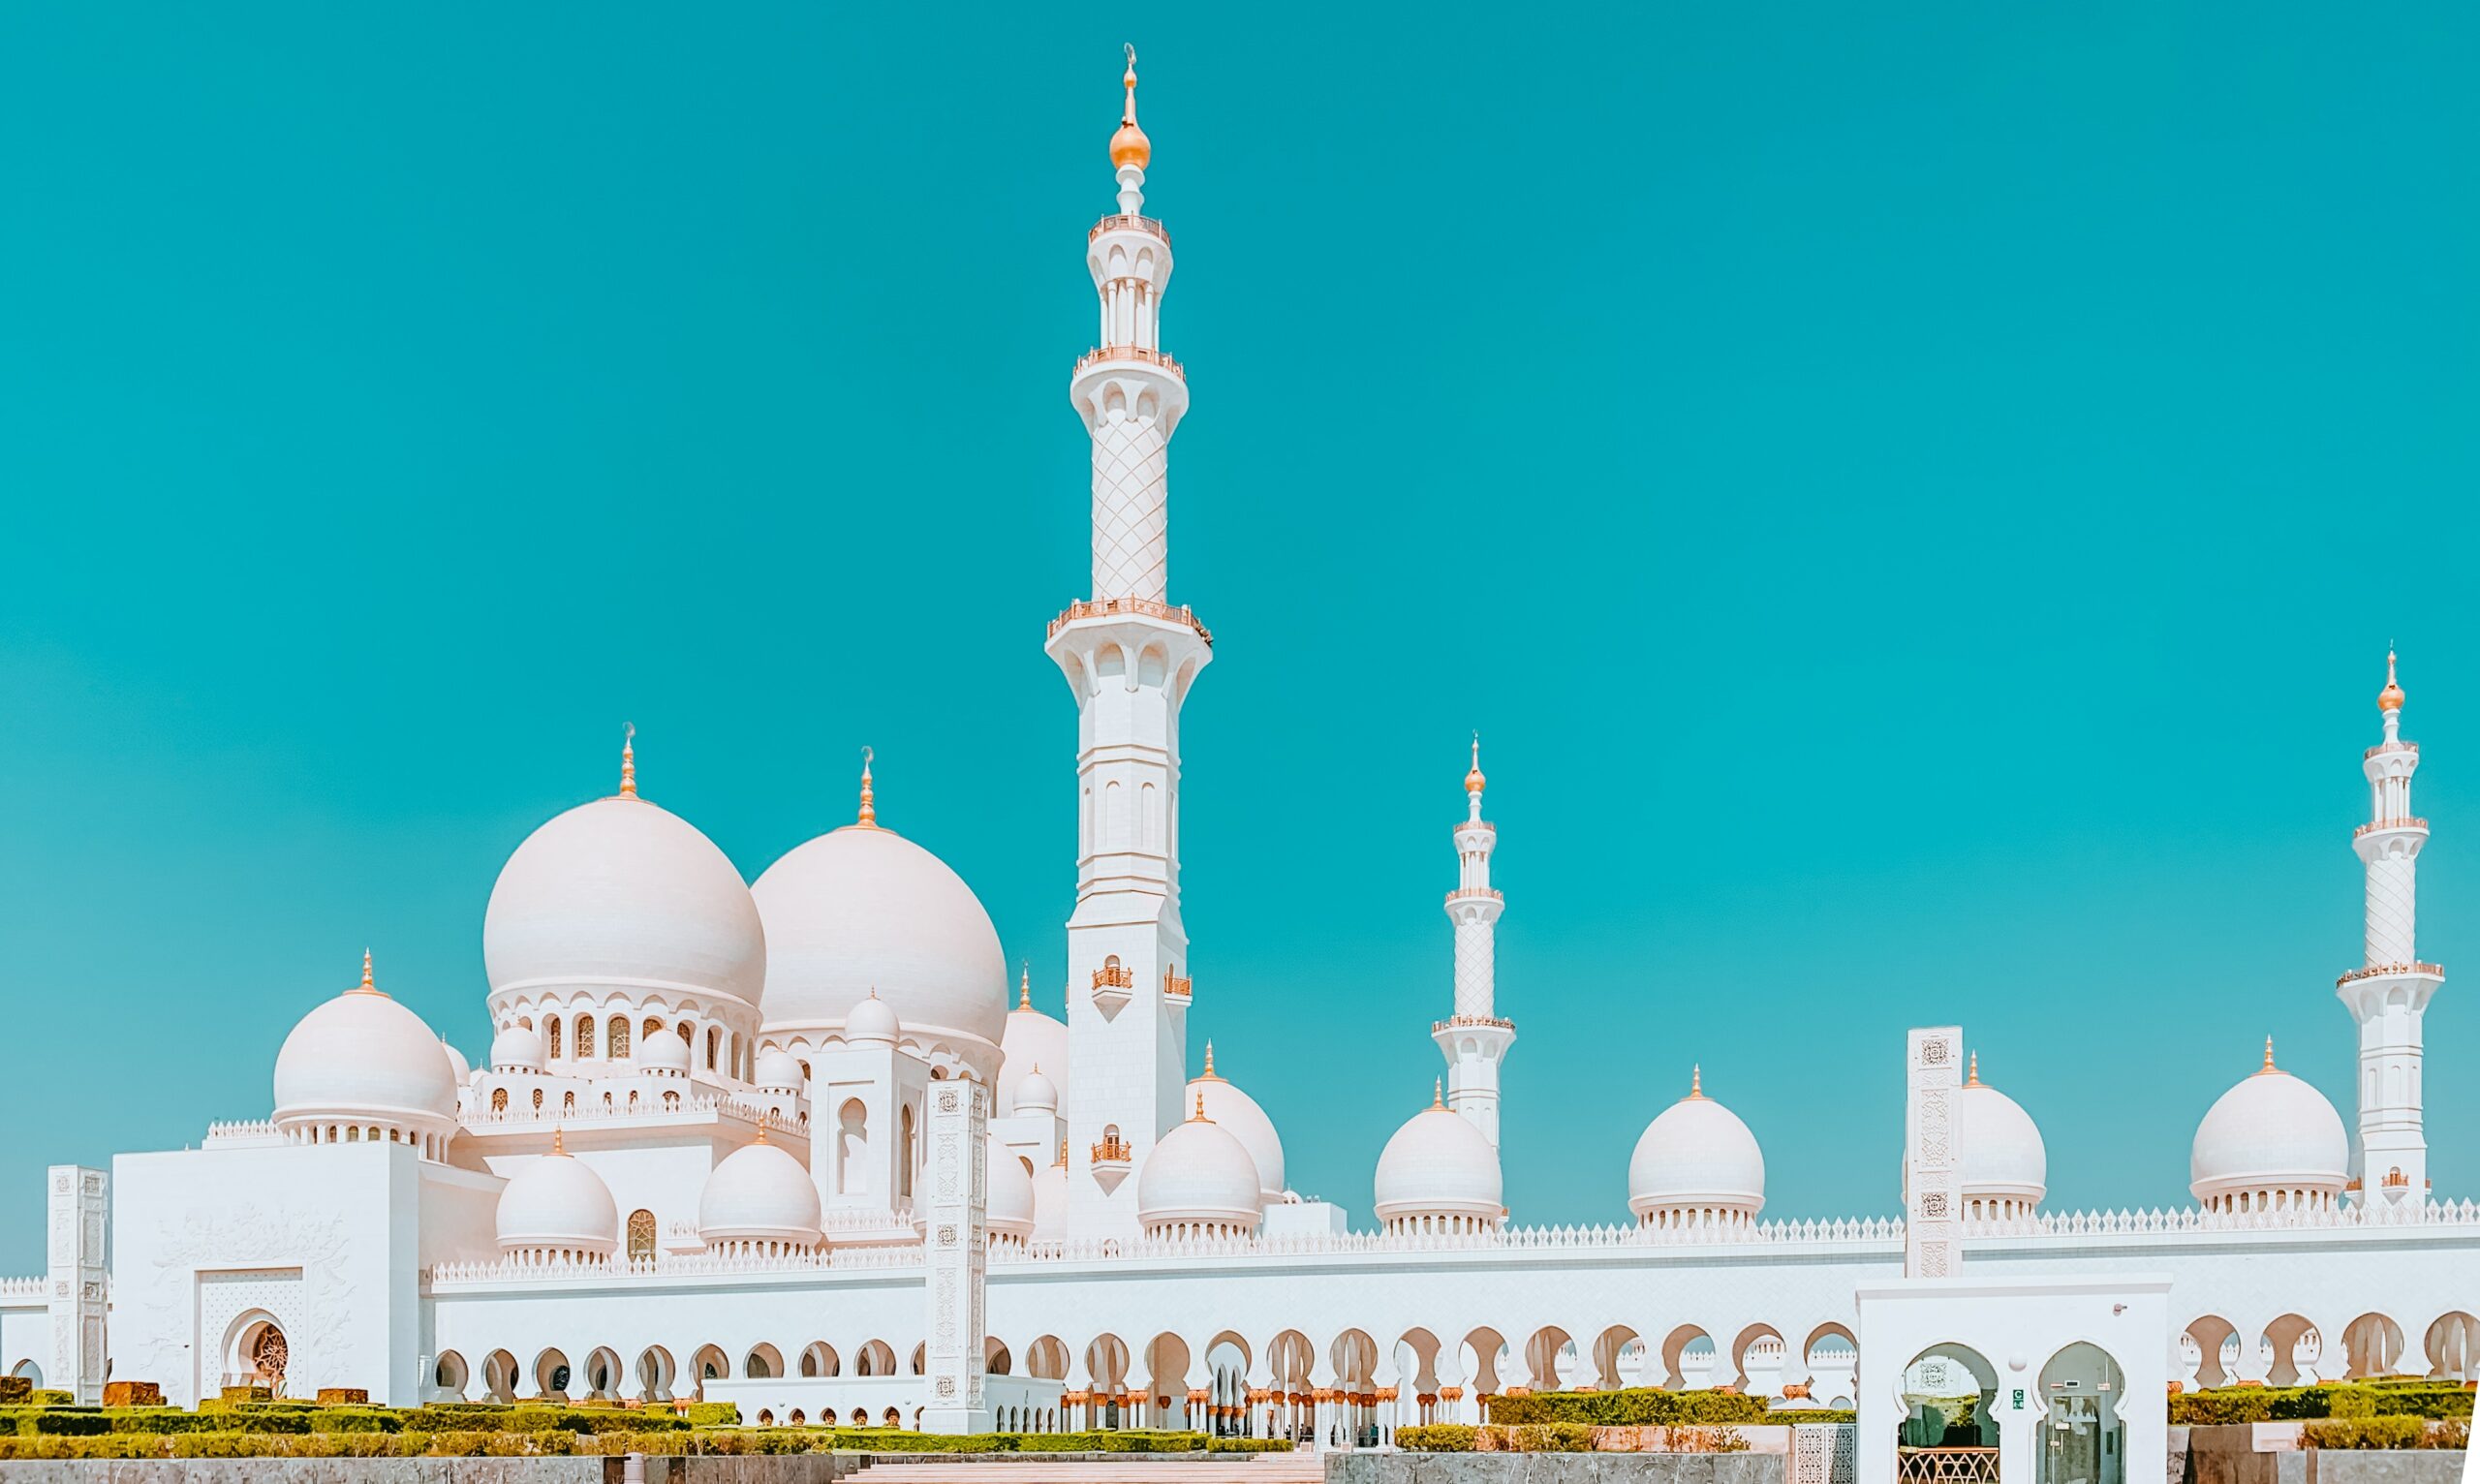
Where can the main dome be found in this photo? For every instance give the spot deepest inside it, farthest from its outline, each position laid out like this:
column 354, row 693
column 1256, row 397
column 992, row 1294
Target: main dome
column 622, row 894
column 1439, row 1167
column 862, row 907
column 2272, row 1142
column 1696, row 1156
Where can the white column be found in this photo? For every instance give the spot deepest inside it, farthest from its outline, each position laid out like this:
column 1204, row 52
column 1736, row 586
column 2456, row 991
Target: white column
column 1931, row 1169
column 79, row 1203
column 955, row 1258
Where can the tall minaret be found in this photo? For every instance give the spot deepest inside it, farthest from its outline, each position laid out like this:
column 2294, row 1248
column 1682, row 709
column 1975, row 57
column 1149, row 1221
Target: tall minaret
column 1130, row 658
column 2390, row 993
column 1474, row 1040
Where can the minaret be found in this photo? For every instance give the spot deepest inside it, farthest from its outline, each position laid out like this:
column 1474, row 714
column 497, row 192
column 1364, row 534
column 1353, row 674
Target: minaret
column 2390, row 992
column 1474, row 1040
column 1130, row 658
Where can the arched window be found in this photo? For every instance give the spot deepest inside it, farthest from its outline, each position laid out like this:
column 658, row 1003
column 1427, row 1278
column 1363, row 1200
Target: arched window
column 670, row 1102
column 714, row 1046
column 641, row 1236
column 586, row 1036
column 568, row 1102
column 537, row 1099
column 851, row 1149
column 554, row 1025
column 904, row 1169
column 618, row 1035
column 688, row 1037
column 499, row 1100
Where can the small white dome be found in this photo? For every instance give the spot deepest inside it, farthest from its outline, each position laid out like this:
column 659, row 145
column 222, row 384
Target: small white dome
column 1035, row 1093
column 1696, row 1156
column 1011, row 1192
column 458, row 1066
column 1050, row 1203
column 2000, row 1148
column 622, row 894
column 777, row 1067
column 862, row 907
column 1197, row 1174
column 2272, row 1133
column 1438, row 1164
column 760, row 1193
column 663, row 1054
column 1239, row 1113
column 558, row 1204
column 1031, row 1038
column 517, row 1049
column 873, row 1020
column 364, row 1057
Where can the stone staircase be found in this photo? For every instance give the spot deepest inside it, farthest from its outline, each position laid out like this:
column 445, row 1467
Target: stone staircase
column 1297, row 1467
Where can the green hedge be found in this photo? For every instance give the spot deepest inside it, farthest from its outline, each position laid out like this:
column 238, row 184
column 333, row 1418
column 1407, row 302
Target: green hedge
column 1635, row 1406
column 1248, row 1446
column 2386, row 1432
column 1110, row 1442
column 1437, row 1437
column 2396, row 1397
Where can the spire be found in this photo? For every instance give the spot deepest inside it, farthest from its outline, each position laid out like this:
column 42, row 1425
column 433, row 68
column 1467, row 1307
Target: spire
column 1697, row 1084
column 559, row 1146
column 366, row 987
column 1130, row 148
column 1025, row 987
column 869, row 818
column 1200, row 1117
column 762, row 1127
column 1474, row 781
column 1208, row 1075
column 629, row 759
column 1438, row 1094
column 1972, row 1079
column 2391, row 698
column 2268, row 1068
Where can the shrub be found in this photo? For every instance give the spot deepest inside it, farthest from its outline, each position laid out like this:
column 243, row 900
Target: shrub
column 1635, row 1406
column 1548, row 1437
column 1790, row 1416
column 1249, row 1445
column 247, row 1394
column 2396, row 1397
column 44, row 1395
column 1110, row 1442
column 343, row 1396
column 63, row 1422
column 711, row 1414
column 133, row 1394
column 163, row 1420
column 1437, row 1437
column 2388, row 1431
column 878, row 1439
column 15, row 1388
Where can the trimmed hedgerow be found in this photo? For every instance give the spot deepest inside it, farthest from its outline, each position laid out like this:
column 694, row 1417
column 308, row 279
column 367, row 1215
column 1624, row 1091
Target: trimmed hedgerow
column 1248, row 1446
column 1635, row 1406
column 1132, row 1442
column 1437, row 1437
column 2400, row 1398
column 2385, row 1432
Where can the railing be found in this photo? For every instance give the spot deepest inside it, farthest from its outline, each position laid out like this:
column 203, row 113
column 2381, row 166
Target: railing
column 2388, row 747
column 2380, row 970
column 1114, row 976
column 1126, row 223
column 1113, row 1150
column 691, row 1103
column 1176, row 985
column 1109, row 608
column 1476, row 894
column 1435, row 1026
column 23, row 1288
column 2407, row 821
column 1135, row 352
column 1946, row 1466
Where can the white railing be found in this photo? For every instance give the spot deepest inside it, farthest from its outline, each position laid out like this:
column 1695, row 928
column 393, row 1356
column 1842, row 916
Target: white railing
column 1873, row 1232
column 23, row 1288
column 585, row 1113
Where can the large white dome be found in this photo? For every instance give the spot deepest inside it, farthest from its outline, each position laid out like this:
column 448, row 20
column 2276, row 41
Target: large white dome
column 2270, row 1134
column 517, row 1049
column 863, row 907
column 760, row 1193
column 623, row 895
column 1696, row 1156
column 362, row 1059
column 1197, row 1175
column 2003, row 1156
column 557, row 1205
column 1009, row 1188
column 1440, row 1166
column 1238, row 1112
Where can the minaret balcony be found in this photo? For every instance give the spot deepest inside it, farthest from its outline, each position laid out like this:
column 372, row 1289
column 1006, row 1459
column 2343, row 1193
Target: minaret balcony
column 1135, row 352
column 1113, row 983
column 1476, row 894
column 1459, row 1022
column 2409, row 970
column 2413, row 748
column 2407, row 821
column 1111, row 1158
column 1175, row 986
column 1127, row 223
column 1117, row 608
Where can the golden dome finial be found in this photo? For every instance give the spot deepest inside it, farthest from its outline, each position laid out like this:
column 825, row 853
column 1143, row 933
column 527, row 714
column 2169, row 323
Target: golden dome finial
column 1208, row 1075
column 628, row 759
column 1472, row 781
column 1696, row 1083
column 2268, row 1068
column 762, row 1127
column 869, row 818
column 366, row 986
column 1025, row 987
column 1130, row 146
column 2391, row 698
column 559, row 1146
column 1973, row 1077
column 1200, row 1117
column 1438, row 1094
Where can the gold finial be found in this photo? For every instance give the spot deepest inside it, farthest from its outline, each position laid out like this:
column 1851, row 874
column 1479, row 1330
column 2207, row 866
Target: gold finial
column 1973, row 1078
column 1696, row 1083
column 559, row 1146
column 1062, row 1151
column 2268, row 1068
column 1472, row 781
column 1438, row 1094
column 1201, row 1116
column 629, row 759
column 869, row 818
column 1130, row 146
column 1208, row 1075
column 1025, row 987
column 2391, row 698
column 762, row 1127
column 366, row 986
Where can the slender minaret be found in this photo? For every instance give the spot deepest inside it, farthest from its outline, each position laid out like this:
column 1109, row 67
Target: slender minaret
column 1130, row 656
column 1474, row 1040
column 2390, row 992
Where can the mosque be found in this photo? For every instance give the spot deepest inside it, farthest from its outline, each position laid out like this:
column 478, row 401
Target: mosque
column 802, row 1144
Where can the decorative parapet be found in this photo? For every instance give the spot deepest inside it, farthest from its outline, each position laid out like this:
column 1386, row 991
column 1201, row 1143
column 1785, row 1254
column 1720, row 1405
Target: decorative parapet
column 2384, row 971
column 1113, row 1150
column 514, row 1117
column 1112, row 607
column 1101, row 354
column 2412, row 748
column 1127, row 223
column 35, row 1289
column 255, row 1130
column 2407, row 821
column 1452, row 1021
column 1114, row 976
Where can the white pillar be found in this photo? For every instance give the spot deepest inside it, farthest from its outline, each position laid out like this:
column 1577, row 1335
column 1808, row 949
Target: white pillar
column 73, row 1272
column 1932, row 1167
column 955, row 1258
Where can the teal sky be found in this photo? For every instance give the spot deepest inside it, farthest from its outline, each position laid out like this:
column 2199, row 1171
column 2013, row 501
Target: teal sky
column 1915, row 500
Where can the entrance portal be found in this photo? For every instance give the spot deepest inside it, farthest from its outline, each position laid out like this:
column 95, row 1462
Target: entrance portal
column 2081, row 1438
